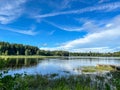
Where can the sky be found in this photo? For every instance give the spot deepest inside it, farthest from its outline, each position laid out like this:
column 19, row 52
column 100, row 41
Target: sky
column 71, row 25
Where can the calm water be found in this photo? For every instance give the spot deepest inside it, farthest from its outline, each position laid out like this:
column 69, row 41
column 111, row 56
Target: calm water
column 62, row 66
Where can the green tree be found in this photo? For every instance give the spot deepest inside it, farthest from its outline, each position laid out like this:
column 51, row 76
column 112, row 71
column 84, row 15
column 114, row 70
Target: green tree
column 6, row 52
column 26, row 52
column 38, row 52
column 17, row 53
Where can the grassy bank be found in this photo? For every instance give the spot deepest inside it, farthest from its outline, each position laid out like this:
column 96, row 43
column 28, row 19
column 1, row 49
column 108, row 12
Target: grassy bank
column 50, row 82
column 39, row 56
column 31, row 56
column 39, row 82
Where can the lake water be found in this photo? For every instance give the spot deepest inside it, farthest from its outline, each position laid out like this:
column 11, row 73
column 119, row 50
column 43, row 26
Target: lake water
column 62, row 66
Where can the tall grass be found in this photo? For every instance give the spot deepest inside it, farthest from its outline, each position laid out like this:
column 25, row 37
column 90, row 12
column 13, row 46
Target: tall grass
column 55, row 82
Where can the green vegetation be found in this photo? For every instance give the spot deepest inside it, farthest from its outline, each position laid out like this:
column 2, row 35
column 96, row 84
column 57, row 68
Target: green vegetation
column 116, row 79
column 20, row 49
column 89, row 69
column 55, row 82
column 16, row 55
column 95, row 54
column 23, row 56
column 97, row 68
column 41, row 83
column 105, row 68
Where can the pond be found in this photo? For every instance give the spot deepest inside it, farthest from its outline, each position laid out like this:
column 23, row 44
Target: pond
column 61, row 66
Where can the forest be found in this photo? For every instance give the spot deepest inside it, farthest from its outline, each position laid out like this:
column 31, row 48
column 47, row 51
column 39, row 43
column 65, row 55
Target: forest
column 20, row 49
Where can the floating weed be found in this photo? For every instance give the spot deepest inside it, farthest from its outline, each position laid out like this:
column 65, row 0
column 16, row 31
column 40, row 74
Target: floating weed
column 97, row 68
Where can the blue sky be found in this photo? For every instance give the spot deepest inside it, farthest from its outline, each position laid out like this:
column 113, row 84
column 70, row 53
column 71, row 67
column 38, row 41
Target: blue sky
column 73, row 25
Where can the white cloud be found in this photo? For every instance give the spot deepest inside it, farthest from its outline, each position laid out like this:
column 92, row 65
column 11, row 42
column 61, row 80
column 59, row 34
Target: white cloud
column 101, row 38
column 51, row 48
column 94, row 49
column 10, row 10
column 66, row 28
column 65, row 4
column 61, row 4
column 58, row 4
column 45, row 44
column 109, row 36
column 107, row 7
column 26, row 32
column 106, row 40
column 87, row 26
column 102, row 1
column 51, row 33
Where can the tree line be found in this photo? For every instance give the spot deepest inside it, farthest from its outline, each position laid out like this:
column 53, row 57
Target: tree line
column 109, row 54
column 20, row 49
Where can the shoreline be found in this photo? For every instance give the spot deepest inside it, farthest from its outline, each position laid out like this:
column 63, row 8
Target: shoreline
column 32, row 56
column 70, row 57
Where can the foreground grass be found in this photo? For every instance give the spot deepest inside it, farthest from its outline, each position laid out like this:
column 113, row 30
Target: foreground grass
column 29, row 56
column 39, row 82
column 55, row 82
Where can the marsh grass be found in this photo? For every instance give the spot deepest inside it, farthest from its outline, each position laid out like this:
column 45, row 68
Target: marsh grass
column 89, row 69
column 105, row 68
column 43, row 82
column 97, row 69
column 56, row 82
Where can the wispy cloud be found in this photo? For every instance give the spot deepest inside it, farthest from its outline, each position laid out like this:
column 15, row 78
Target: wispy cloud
column 106, row 40
column 102, row 38
column 58, row 4
column 107, row 7
column 65, row 4
column 51, row 33
column 10, row 10
column 102, row 1
column 66, row 28
column 95, row 39
column 88, row 26
column 26, row 32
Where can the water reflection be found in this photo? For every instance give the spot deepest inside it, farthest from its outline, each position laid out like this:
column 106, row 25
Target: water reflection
column 62, row 66
column 18, row 62
column 67, row 66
